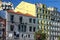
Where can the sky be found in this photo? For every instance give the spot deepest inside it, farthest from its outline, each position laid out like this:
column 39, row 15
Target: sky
column 51, row 3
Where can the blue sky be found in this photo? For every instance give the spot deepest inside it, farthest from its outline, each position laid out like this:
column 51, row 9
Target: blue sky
column 52, row 3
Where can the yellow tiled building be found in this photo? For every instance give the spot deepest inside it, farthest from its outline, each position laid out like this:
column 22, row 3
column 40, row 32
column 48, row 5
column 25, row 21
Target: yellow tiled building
column 26, row 7
column 45, row 16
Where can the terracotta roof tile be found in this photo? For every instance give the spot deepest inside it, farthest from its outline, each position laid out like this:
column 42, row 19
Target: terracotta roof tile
column 27, row 14
column 19, row 13
column 10, row 11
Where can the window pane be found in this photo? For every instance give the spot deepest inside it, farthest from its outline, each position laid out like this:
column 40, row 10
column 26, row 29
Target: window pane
column 30, row 28
column 34, row 20
column 28, row 36
column 22, row 35
column 19, row 28
column 30, row 20
column 20, row 19
column 34, row 29
column 11, row 18
column 11, row 27
column 24, row 28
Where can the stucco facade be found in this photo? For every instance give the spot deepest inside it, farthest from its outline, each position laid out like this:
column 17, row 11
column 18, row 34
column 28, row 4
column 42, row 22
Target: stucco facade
column 24, row 26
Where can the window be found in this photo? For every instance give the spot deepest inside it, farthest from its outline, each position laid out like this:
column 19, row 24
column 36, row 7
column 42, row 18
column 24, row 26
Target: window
column 40, row 16
column 20, row 19
column 38, row 21
column 34, row 20
column 43, row 11
column 22, row 35
column 49, row 17
column 41, row 21
column 30, row 28
column 46, row 16
column 34, row 29
column 18, row 27
column 30, row 20
column 37, row 15
column 17, row 35
column 41, row 27
column 14, row 33
column 24, row 28
column 44, row 28
column 48, row 22
column 49, row 11
column 46, row 11
column 37, row 10
column 28, row 36
column 12, row 17
column 43, row 6
column 38, row 27
column 52, row 19
column 11, row 27
column 40, row 10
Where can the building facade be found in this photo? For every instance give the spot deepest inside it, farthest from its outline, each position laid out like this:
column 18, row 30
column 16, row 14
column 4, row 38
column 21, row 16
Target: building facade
column 48, row 19
column 2, row 28
column 20, row 26
column 43, row 19
column 55, row 21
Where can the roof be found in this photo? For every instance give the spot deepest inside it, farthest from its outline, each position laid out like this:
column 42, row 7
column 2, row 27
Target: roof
column 10, row 11
column 19, row 13
column 26, row 7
